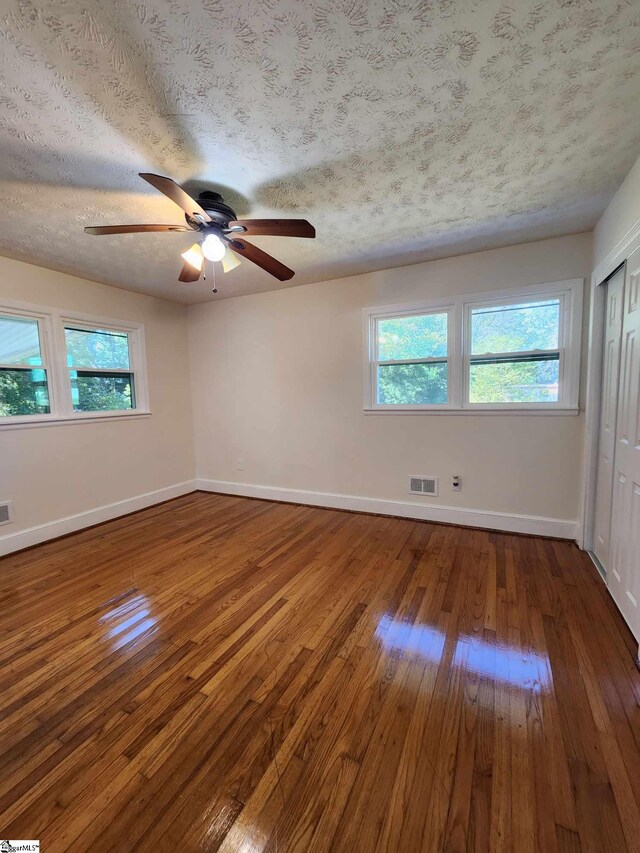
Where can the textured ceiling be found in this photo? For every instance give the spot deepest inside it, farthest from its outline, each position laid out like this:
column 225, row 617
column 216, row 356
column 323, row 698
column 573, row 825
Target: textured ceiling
column 402, row 130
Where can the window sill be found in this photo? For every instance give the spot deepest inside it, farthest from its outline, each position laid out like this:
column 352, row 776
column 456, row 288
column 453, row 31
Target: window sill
column 401, row 410
column 85, row 417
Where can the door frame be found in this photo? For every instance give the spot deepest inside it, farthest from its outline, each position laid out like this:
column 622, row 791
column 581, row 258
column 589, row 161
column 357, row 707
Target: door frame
column 597, row 304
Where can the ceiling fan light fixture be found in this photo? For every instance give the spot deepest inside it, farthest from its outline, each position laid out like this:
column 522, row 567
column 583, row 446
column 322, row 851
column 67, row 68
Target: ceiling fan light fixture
column 229, row 261
column 213, row 248
column 215, row 220
column 194, row 256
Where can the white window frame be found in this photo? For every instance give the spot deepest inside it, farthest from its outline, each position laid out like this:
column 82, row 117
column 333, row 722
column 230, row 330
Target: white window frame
column 52, row 322
column 135, row 334
column 372, row 361
column 459, row 345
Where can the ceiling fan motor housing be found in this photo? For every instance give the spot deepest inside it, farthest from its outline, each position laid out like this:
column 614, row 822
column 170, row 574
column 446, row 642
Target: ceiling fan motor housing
column 213, row 203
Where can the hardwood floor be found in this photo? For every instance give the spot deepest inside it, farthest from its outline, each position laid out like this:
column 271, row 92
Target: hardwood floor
column 222, row 673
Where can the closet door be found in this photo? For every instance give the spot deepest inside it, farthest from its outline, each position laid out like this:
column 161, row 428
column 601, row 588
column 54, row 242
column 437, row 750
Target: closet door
column 608, row 417
column 624, row 576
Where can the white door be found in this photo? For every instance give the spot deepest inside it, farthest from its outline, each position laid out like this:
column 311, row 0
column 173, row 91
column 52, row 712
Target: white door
column 624, row 575
column 608, row 415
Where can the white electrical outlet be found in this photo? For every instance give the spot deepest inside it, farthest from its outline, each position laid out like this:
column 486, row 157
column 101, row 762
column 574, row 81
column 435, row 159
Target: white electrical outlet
column 240, row 464
column 456, row 483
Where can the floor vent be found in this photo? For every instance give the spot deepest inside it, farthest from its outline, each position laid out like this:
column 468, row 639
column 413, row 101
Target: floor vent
column 423, row 486
column 5, row 512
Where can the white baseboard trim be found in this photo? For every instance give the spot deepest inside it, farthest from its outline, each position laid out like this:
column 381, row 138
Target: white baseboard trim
column 60, row 527
column 507, row 521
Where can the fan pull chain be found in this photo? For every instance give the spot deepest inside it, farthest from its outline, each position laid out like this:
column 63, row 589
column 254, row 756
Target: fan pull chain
column 213, row 274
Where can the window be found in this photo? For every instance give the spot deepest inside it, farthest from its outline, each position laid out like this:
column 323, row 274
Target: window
column 412, row 364
column 99, row 367
column 514, row 355
column 24, row 388
column 515, row 350
column 56, row 368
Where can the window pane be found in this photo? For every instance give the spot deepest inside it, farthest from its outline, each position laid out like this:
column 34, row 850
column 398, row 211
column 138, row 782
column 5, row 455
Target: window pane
column 23, row 392
column 97, row 348
column 514, row 382
column 515, row 328
column 101, row 392
column 19, row 341
column 422, row 336
column 412, row 384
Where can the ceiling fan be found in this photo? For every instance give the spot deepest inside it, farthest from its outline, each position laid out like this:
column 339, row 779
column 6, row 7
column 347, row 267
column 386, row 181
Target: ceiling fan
column 223, row 234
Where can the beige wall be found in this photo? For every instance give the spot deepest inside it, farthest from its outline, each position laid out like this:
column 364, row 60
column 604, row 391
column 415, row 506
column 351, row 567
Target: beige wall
column 277, row 383
column 56, row 471
column 621, row 215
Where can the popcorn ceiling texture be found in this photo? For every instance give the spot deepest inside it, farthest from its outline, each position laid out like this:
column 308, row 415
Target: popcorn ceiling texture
column 403, row 130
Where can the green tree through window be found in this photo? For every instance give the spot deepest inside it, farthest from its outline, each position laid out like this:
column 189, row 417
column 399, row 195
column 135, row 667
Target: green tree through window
column 529, row 332
column 99, row 370
column 23, row 392
column 413, row 337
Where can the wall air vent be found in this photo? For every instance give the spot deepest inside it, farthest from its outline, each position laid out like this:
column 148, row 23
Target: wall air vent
column 423, row 486
column 6, row 515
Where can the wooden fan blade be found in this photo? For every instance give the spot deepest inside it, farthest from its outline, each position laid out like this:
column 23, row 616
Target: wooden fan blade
column 176, row 194
column 229, row 261
column 132, row 229
column 262, row 259
column 188, row 273
column 276, row 227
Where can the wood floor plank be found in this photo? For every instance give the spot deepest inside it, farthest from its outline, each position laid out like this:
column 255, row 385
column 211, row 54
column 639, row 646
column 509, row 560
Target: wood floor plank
column 224, row 673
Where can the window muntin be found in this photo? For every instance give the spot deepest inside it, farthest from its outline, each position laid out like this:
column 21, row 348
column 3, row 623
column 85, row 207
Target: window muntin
column 99, row 368
column 24, row 386
column 508, row 350
column 514, row 353
column 411, row 365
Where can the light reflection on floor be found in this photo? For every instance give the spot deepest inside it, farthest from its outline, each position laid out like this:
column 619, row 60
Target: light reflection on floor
column 421, row 640
column 129, row 622
column 510, row 664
